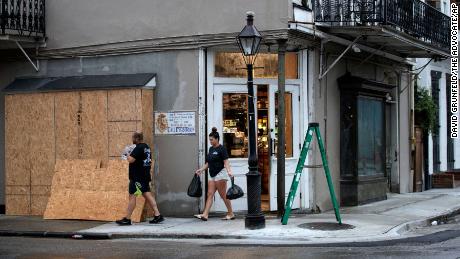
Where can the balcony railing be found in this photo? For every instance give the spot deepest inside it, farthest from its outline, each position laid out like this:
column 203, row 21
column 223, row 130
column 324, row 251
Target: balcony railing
column 413, row 17
column 22, row 18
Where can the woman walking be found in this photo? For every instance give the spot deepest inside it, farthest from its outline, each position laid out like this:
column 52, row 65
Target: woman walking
column 219, row 171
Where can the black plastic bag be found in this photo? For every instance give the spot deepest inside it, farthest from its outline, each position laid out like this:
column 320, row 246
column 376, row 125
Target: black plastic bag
column 194, row 189
column 234, row 192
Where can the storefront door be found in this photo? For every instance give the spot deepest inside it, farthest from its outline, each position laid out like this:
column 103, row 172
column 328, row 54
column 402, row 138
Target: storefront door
column 230, row 117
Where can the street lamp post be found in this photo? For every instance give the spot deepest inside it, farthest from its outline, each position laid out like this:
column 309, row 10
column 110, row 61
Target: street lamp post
column 249, row 42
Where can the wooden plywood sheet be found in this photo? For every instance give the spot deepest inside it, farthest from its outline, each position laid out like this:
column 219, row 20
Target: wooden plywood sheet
column 16, row 141
column 43, row 127
column 41, row 189
column 147, row 116
column 38, row 204
column 91, row 194
column 29, row 150
column 17, row 204
column 120, row 135
column 75, row 164
column 139, row 104
column 93, row 126
column 17, row 190
column 41, row 153
column 122, row 105
column 66, row 117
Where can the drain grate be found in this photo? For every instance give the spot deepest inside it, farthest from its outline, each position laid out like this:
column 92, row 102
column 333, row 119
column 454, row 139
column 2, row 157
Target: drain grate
column 326, row 226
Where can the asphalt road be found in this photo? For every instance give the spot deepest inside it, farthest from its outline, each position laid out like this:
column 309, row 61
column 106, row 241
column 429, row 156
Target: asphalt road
column 434, row 242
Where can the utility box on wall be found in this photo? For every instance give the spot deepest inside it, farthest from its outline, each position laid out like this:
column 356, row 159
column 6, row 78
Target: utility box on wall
column 87, row 117
column 363, row 176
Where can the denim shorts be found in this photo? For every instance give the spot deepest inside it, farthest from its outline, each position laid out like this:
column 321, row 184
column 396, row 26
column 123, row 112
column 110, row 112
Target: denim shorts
column 222, row 175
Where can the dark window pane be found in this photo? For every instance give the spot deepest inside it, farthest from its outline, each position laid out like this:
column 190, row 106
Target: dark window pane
column 371, row 138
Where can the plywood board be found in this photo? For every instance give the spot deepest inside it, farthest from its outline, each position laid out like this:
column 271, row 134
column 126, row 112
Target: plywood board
column 38, row 204
column 20, row 136
column 41, row 189
column 43, row 127
column 66, row 116
column 74, row 164
column 139, row 104
column 122, row 105
column 17, row 204
column 120, row 135
column 94, row 194
column 16, row 141
column 93, row 137
column 17, row 190
column 41, row 152
column 147, row 116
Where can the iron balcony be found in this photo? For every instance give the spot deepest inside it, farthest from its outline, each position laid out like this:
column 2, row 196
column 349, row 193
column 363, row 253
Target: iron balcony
column 22, row 18
column 412, row 22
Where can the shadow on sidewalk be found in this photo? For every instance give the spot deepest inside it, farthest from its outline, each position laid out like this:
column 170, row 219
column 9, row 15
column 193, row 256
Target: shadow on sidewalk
column 37, row 223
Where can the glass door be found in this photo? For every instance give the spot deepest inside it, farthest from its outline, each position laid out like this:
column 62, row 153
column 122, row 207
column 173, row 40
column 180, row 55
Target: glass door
column 292, row 131
column 230, row 118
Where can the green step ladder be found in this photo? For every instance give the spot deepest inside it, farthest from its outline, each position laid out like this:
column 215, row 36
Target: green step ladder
column 312, row 127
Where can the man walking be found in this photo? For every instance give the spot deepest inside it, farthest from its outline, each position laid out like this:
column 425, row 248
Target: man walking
column 139, row 179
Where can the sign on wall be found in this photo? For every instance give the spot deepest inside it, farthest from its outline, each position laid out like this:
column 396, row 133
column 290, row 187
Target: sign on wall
column 174, row 123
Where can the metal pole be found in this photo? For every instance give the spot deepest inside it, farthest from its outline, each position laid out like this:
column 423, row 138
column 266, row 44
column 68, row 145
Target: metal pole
column 3, row 16
column 280, row 167
column 254, row 219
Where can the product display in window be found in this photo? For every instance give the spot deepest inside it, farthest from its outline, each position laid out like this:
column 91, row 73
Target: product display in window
column 235, row 135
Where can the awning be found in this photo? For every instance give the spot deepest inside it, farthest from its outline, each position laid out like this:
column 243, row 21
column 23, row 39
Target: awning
column 83, row 82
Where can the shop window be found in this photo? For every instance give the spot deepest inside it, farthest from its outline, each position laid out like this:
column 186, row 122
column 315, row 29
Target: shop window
column 231, row 64
column 288, row 124
column 235, row 135
column 371, row 138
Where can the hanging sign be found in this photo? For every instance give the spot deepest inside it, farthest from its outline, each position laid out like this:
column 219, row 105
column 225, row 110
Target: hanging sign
column 175, row 123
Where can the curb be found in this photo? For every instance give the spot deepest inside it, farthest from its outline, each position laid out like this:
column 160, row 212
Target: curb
column 405, row 227
column 55, row 234
column 175, row 236
column 102, row 236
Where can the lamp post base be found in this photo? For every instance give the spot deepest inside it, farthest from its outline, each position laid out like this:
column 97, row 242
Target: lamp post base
column 254, row 221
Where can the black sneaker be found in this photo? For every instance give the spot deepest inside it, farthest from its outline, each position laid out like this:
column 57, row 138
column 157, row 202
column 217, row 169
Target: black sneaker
column 157, row 219
column 123, row 222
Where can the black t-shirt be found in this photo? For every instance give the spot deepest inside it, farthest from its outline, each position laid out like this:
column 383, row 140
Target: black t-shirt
column 140, row 170
column 215, row 159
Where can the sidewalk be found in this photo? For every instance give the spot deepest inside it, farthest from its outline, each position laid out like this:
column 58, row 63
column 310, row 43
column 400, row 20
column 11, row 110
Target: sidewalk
column 376, row 221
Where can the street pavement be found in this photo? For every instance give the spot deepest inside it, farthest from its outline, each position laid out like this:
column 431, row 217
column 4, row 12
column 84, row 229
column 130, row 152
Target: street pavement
column 428, row 246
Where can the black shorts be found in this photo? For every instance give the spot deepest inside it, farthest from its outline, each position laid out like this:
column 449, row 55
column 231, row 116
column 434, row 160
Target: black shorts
column 143, row 186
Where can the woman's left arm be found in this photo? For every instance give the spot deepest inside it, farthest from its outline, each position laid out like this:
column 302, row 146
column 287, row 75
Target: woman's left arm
column 227, row 167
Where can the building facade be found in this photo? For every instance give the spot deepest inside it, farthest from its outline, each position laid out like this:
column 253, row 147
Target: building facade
column 347, row 68
column 442, row 151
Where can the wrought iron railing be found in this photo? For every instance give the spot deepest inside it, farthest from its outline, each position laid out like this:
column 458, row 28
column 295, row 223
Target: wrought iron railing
column 22, row 17
column 413, row 17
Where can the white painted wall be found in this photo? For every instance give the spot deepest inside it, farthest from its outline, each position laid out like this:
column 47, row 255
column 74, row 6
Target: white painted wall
column 424, row 80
